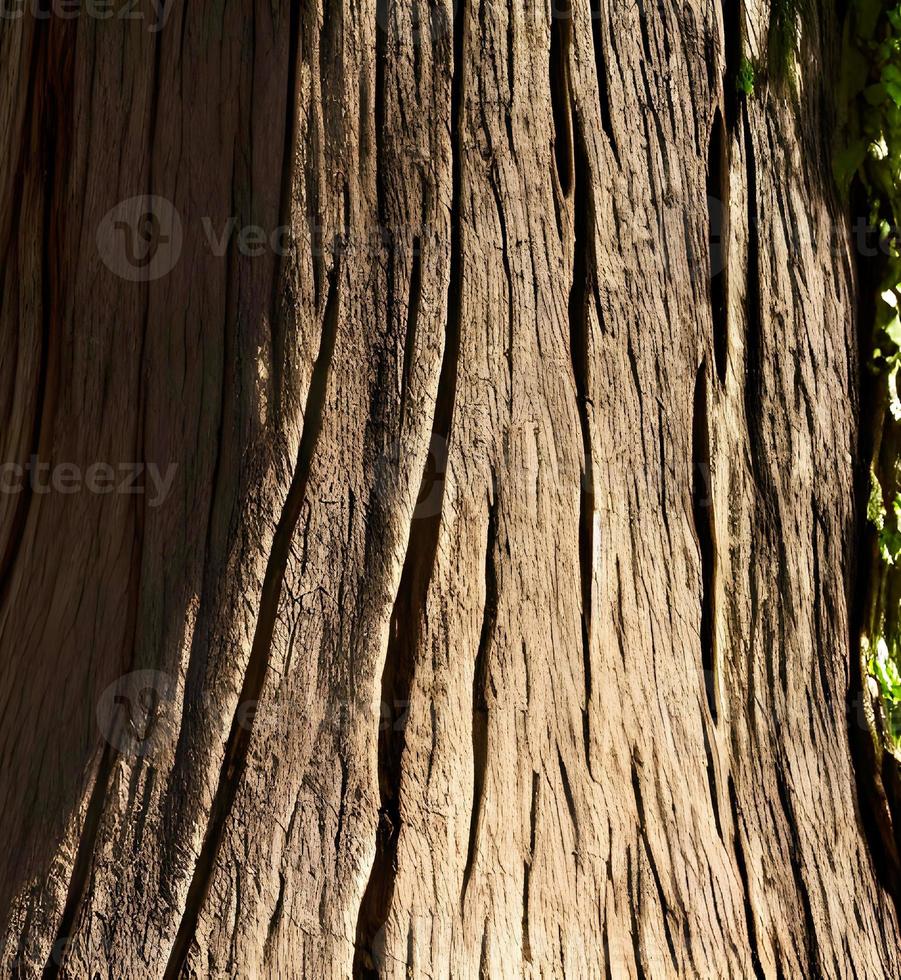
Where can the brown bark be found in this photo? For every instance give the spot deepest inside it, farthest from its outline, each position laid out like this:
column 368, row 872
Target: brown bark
column 532, row 545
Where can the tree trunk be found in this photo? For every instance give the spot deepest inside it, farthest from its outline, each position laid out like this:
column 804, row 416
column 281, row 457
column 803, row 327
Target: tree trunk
column 498, row 615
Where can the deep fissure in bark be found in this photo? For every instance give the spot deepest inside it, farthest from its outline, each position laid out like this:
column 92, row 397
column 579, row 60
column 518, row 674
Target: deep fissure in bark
column 527, row 870
column 239, row 737
column 406, row 617
column 733, row 18
column 753, row 387
column 413, row 303
column 718, row 240
column 702, row 509
column 479, row 694
column 643, row 833
column 579, row 325
column 600, row 66
column 289, row 156
column 561, row 39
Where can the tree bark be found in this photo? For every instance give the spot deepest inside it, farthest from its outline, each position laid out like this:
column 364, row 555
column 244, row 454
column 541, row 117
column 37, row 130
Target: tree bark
column 499, row 616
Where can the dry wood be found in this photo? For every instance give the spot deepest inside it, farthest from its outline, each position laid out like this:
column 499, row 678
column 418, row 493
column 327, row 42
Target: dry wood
column 497, row 618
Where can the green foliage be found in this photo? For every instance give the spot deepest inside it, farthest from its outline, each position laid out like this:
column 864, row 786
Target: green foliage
column 871, row 155
column 783, row 36
column 883, row 666
column 746, row 77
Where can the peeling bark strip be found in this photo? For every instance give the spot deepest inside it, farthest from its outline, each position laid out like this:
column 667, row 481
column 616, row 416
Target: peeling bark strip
column 545, row 755
column 235, row 758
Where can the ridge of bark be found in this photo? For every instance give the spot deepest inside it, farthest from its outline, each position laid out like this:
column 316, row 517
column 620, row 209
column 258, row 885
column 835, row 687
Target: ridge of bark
column 238, row 744
column 479, row 694
column 416, row 575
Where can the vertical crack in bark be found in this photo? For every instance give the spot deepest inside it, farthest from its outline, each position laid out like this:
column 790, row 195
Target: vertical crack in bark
column 505, row 257
column 235, row 758
column 600, row 65
column 568, row 796
column 561, row 106
column 754, row 315
column 733, row 15
column 643, row 833
column 286, row 200
column 711, row 782
column 743, row 876
column 814, row 964
column 702, row 508
column 413, row 303
column 718, row 240
column 479, row 694
column 579, row 327
column 634, row 886
column 416, row 575
column 527, row 871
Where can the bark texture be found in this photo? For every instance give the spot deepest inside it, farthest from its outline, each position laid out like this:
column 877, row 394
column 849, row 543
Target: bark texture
column 531, row 543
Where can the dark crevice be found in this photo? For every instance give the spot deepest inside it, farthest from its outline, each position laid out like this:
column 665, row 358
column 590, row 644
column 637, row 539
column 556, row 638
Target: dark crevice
column 276, row 917
column 711, row 781
column 561, row 106
column 505, row 244
column 235, row 759
column 600, row 64
column 754, row 353
column 568, row 794
column 527, row 871
column 289, row 154
column 413, row 303
column 743, row 875
column 812, row 948
column 733, row 15
column 407, row 615
column 718, row 240
column 633, row 885
column 579, row 300
column 645, row 36
column 479, row 694
column 381, row 58
column 702, row 510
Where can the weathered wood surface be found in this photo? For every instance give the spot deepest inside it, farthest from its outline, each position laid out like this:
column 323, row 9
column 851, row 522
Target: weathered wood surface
column 611, row 640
